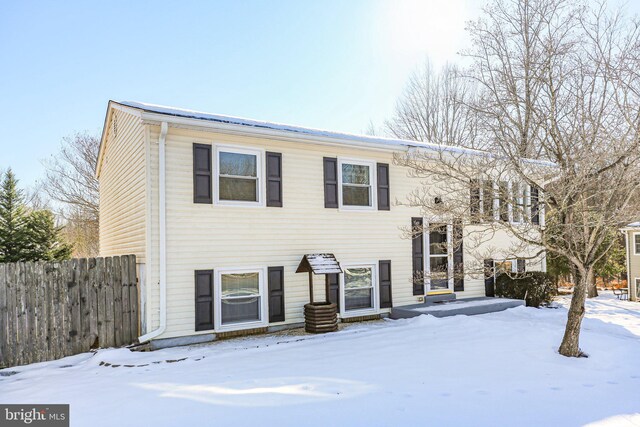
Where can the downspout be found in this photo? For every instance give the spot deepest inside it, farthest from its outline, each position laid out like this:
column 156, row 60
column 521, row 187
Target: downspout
column 162, row 219
column 627, row 249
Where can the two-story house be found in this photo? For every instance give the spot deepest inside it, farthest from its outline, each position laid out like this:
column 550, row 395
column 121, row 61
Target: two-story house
column 220, row 210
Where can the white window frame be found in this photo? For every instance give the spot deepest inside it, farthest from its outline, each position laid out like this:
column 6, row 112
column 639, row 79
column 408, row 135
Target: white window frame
column 373, row 185
column 427, row 255
column 344, row 313
column 264, row 315
column 635, row 246
column 519, row 202
column 260, row 191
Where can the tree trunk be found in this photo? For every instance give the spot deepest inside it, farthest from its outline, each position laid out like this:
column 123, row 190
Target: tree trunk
column 570, row 346
column 592, row 290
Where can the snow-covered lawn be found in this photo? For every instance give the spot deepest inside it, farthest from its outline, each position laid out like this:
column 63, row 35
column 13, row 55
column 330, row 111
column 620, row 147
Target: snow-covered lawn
column 499, row 369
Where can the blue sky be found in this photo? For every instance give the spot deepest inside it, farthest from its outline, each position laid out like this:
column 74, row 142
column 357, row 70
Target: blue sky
column 328, row 64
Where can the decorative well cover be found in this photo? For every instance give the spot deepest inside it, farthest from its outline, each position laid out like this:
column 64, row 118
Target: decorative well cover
column 319, row 264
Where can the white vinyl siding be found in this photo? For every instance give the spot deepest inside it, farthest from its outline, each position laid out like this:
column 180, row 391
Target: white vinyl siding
column 123, row 188
column 203, row 237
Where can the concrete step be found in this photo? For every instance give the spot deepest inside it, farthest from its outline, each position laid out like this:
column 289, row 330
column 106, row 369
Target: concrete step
column 435, row 299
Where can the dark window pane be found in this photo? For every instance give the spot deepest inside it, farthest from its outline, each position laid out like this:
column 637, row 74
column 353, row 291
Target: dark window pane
column 240, row 310
column 357, row 278
column 355, row 196
column 355, row 299
column 487, row 200
column 355, row 174
column 439, row 272
column 236, row 285
column 438, row 239
column 238, row 164
column 503, row 190
column 238, row 189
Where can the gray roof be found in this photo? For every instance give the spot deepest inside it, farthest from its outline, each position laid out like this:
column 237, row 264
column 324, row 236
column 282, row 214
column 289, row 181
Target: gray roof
column 347, row 137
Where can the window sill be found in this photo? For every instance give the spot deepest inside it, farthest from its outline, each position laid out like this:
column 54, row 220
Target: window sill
column 357, row 209
column 241, row 326
column 238, row 204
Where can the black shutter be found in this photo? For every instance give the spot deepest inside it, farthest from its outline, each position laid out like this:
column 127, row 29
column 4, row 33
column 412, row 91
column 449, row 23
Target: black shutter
column 521, row 265
column 330, row 169
column 276, row 294
column 332, row 281
column 204, row 300
column 489, row 278
column 274, row 179
column 458, row 260
column 202, row 173
column 535, row 206
column 384, row 282
column 417, row 245
column 474, row 202
column 384, row 196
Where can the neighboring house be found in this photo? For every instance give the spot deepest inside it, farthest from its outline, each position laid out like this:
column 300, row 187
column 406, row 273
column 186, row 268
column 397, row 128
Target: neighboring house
column 220, row 211
column 632, row 241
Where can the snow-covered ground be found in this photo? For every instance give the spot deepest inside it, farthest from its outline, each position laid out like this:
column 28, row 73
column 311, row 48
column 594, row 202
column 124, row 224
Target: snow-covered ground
column 498, row 369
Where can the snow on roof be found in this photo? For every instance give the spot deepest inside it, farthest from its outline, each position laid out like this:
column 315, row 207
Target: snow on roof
column 634, row 224
column 347, row 137
column 319, row 264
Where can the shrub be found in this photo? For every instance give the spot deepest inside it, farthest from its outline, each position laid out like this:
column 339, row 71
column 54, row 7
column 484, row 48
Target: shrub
column 536, row 288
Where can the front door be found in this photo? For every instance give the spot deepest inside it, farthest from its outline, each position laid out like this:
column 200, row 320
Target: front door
column 439, row 259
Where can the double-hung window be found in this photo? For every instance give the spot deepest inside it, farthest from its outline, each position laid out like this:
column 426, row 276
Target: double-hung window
column 359, row 292
column 636, row 243
column 357, row 183
column 488, row 200
column 240, row 297
column 239, row 176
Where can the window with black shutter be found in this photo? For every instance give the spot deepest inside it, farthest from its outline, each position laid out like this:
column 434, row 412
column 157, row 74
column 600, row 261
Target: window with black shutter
column 330, row 170
column 202, row 174
column 384, row 279
column 474, row 202
column 384, row 195
column 274, row 179
column 458, row 260
column 204, row 300
column 417, row 245
column 276, row 294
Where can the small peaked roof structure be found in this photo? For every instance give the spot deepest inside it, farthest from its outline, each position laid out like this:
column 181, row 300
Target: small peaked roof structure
column 319, row 264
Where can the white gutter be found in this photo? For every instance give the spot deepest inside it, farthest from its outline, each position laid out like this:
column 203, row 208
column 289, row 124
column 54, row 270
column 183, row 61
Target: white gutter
column 162, row 216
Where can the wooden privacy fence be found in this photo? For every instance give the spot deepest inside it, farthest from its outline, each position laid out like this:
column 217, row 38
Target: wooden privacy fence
column 50, row 310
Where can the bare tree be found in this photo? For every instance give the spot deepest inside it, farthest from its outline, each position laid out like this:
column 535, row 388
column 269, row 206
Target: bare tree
column 558, row 98
column 71, row 183
column 435, row 107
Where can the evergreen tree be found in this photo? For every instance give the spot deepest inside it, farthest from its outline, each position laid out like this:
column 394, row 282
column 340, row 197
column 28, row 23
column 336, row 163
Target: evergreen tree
column 27, row 235
column 13, row 217
column 44, row 239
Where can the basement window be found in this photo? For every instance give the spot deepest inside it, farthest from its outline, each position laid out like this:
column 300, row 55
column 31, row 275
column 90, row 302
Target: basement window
column 241, row 298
